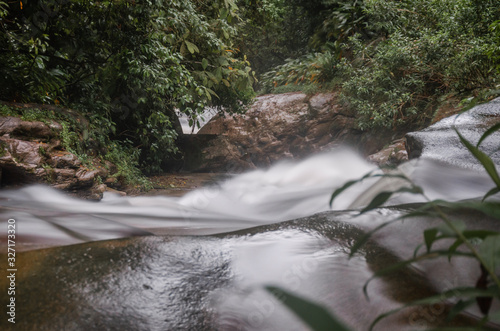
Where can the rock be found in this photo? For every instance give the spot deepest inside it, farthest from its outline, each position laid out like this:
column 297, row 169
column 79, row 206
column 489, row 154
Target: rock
column 30, row 152
column 441, row 142
column 64, row 160
column 85, row 176
column 276, row 127
column 116, row 192
column 215, row 282
column 391, row 156
column 16, row 127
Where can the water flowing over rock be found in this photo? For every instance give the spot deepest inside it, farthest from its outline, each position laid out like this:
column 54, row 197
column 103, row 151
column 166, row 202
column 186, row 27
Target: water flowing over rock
column 214, row 249
column 277, row 127
column 440, row 141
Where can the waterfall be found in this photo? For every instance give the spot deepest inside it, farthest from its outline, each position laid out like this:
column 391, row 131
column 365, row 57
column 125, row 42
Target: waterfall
column 285, row 191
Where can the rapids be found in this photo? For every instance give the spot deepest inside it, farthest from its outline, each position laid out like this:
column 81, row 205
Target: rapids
column 198, row 262
column 283, row 192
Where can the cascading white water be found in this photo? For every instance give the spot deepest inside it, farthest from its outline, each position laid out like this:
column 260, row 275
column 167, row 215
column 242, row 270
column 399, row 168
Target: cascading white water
column 173, row 282
column 285, row 191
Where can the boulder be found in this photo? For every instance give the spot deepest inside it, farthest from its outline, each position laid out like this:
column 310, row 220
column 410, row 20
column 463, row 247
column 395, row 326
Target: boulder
column 441, row 142
column 391, row 156
column 276, row 127
column 30, row 152
column 16, row 127
column 216, row 282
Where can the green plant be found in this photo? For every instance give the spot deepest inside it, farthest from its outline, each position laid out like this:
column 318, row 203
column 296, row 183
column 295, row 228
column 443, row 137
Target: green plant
column 126, row 159
column 310, row 70
column 125, row 64
column 480, row 245
column 42, row 151
column 423, row 50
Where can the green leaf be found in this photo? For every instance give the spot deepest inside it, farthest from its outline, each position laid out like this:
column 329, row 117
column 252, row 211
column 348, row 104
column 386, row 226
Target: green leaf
column 314, row 315
column 488, row 132
column 489, row 250
column 382, row 197
column 192, row 48
column 462, row 292
column 346, row 186
column 447, row 231
column 485, row 160
column 362, row 241
column 491, row 209
column 491, row 192
column 429, row 237
column 459, row 307
column 204, row 63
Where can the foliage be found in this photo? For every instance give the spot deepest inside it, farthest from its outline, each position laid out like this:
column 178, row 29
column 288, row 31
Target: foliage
column 315, row 316
column 481, row 245
column 494, row 51
column 122, row 154
column 125, row 65
column 395, row 60
column 310, row 69
column 429, row 49
column 271, row 31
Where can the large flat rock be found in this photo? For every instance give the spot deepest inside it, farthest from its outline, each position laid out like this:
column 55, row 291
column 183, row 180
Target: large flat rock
column 441, row 142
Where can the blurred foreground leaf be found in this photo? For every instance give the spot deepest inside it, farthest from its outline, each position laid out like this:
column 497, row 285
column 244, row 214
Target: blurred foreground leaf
column 314, row 315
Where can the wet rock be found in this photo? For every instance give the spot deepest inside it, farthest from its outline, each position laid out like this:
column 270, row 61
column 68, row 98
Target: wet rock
column 30, row 152
column 16, row 127
column 85, row 176
column 215, row 282
column 276, row 127
column 391, row 156
column 64, row 160
column 441, row 142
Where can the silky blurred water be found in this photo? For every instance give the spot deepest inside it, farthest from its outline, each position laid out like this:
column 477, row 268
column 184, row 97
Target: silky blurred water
column 171, row 275
column 285, row 191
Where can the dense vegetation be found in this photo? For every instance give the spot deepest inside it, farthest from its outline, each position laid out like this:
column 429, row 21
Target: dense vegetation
column 125, row 66
column 395, row 61
column 119, row 70
column 128, row 66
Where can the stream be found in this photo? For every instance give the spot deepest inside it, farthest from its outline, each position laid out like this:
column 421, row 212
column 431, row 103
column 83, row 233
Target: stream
column 200, row 261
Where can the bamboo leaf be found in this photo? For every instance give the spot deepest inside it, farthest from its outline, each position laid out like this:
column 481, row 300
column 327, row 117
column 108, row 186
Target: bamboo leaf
column 489, row 250
column 485, row 160
column 346, row 186
column 463, row 292
column 429, row 237
column 314, row 315
column 459, row 307
column 362, row 241
column 447, row 231
column 382, row 197
column 488, row 132
column 491, row 192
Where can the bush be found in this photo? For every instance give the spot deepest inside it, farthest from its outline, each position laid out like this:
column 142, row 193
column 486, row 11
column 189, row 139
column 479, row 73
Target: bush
column 126, row 66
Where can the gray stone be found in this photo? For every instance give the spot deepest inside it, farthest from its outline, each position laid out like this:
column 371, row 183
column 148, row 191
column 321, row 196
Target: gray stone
column 441, row 142
column 392, row 155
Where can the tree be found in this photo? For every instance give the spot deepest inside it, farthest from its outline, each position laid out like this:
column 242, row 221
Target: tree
column 125, row 65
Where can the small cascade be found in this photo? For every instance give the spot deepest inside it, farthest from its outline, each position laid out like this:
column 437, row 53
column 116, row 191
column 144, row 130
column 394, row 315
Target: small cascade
column 285, row 191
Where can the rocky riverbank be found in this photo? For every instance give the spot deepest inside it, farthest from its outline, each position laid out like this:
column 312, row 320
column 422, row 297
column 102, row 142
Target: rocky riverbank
column 275, row 127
